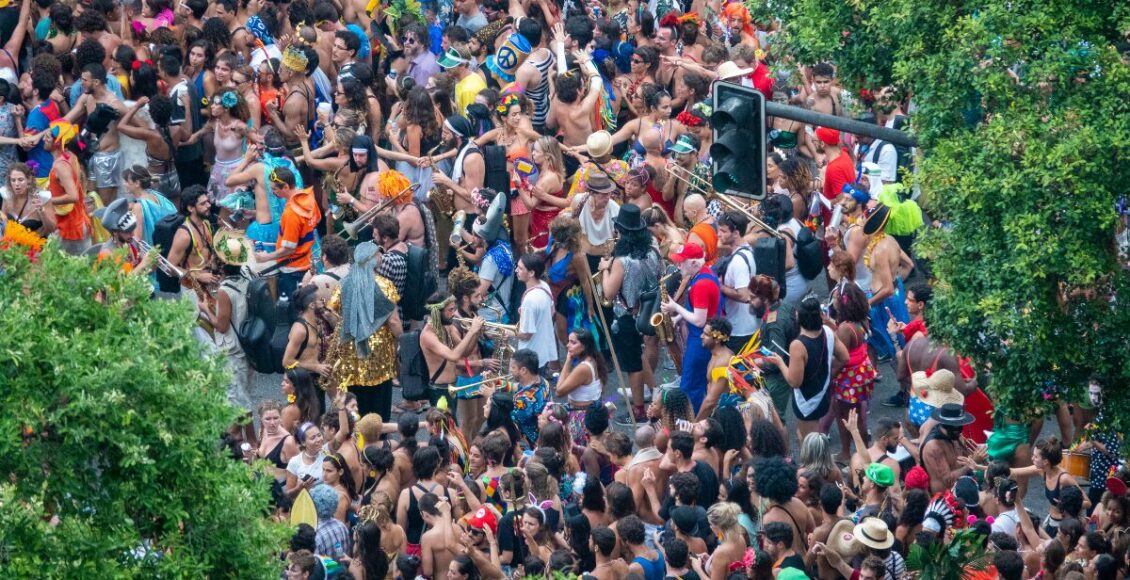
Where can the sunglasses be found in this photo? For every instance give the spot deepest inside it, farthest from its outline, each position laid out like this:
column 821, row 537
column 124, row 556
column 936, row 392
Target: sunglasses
column 637, row 61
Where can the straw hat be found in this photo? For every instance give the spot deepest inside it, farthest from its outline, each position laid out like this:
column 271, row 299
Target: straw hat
column 232, row 247
column 730, row 69
column 841, row 540
column 936, row 389
column 599, row 143
column 873, row 533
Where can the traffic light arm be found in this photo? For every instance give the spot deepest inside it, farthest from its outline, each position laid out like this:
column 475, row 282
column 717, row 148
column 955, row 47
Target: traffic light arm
column 841, row 123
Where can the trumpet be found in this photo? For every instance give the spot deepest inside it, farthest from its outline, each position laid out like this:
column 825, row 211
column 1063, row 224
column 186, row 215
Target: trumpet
column 352, row 229
column 491, row 329
column 684, row 175
column 163, row 263
column 452, row 390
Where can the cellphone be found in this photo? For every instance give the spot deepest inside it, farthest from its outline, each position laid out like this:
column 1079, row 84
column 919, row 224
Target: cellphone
column 765, row 352
column 889, row 313
column 306, row 477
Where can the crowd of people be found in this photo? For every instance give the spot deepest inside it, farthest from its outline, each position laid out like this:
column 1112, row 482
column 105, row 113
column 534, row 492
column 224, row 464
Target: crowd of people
column 504, row 212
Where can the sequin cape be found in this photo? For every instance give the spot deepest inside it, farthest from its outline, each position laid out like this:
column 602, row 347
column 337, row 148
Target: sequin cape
column 352, row 370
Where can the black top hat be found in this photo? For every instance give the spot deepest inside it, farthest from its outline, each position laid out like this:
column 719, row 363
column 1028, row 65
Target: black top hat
column 629, row 219
column 952, row 414
column 876, row 219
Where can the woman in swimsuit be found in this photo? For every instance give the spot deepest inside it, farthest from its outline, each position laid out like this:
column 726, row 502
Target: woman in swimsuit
column 62, row 35
column 276, row 445
column 151, row 206
column 657, row 116
column 302, row 399
column 335, row 473
column 546, row 193
column 229, row 116
column 1046, row 463
column 853, row 384
column 22, row 204
column 495, row 447
column 572, row 300
column 376, row 529
column 516, row 133
column 733, row 553
column 160, row 149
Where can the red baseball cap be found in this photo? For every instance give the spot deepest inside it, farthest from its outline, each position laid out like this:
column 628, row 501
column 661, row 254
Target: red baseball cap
column 483, row 519
column 689, row 252
column 828, row 136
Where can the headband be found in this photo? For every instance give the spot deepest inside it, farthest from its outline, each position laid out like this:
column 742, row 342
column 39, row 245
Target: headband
column 302, row 429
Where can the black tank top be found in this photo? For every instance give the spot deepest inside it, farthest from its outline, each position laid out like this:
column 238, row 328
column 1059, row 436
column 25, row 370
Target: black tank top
column 415, row 528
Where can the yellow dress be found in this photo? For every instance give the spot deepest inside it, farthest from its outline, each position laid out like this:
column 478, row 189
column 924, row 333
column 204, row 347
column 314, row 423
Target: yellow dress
column 352, row 370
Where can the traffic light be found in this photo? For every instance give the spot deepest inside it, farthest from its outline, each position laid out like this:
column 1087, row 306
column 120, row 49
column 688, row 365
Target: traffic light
column 738, row 149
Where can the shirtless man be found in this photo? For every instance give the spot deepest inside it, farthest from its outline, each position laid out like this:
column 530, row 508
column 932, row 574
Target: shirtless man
column 91, row 25
column 941, row 447
column 299, row 101
column 191, row 249
column 888, row 265
column 241, row 40
column 570, row 112
column 469, row 169
column 411, row 222
column 445, row 349
column 438, row 546
column 714, row 337
column 646, row 459
column 609, row 565
column 105, row 166
column 825, row 98
column 886, row 438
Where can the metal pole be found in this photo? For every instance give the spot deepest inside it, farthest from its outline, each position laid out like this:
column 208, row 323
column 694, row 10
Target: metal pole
column 841, row 123
column 611, row 348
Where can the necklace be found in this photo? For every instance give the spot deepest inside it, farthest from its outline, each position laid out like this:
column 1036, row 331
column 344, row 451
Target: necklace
column 306, row 455
column 874, row 241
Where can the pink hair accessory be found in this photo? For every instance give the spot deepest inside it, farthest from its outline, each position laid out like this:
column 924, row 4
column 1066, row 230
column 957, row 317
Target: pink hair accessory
column 971, row 520
column 990, row 520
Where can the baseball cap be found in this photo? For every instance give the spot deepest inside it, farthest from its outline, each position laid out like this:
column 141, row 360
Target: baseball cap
column 827, row 136
column 483, row 519
column 689, row 252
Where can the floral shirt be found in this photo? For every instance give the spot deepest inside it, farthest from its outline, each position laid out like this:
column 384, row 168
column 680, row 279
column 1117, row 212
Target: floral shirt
column 529, row 401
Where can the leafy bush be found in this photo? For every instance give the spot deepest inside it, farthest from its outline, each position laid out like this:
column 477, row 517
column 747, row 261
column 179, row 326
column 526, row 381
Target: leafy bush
column 110, row 436
column 1024, row 129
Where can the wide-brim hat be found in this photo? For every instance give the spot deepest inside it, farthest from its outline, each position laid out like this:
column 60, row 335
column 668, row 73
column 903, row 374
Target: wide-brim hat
column 841, row 540
column 874, row 533
column 599, row 143
column 730, row 69
column 232, row 246
column 117, row 216
column 629, row 218
column 951, row 414
column 876, row 219
column 936, row 388
column 600, row 183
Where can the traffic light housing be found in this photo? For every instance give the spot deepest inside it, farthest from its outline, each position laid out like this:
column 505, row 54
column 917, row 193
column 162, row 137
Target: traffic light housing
column 738, row 147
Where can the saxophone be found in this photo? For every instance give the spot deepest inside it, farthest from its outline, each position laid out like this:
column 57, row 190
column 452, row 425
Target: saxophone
column 660, row 321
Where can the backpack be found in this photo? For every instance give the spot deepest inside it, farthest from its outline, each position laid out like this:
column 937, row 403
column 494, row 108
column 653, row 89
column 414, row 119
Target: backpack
column 414, row 377
column 769, row 255
column 809, row 253
column 496, row 176
column 163, row 233
column 258, row 329
column 903, row 156
column 420, row 284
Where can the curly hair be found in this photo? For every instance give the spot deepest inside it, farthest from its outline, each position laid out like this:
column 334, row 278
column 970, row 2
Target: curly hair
column 620, row 500
column 852, row 305
column 733, row 428
column 774, row 478
column 462, row 283
column 676, row 406
column 634, row 243
column 765, row 439
column 566, row 231
column 842, row 262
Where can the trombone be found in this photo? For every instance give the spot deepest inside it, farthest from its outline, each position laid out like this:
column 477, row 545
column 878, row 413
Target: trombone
column 491, row 329
column 351, row 230
column 163, row 263
column 684, row 175
column 452, row 389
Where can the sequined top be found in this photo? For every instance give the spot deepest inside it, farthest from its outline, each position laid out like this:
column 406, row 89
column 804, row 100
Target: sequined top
column 639, row 276
column 352, row 370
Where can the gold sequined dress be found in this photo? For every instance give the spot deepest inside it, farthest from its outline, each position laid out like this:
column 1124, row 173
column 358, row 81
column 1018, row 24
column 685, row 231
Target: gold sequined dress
column 352, row 370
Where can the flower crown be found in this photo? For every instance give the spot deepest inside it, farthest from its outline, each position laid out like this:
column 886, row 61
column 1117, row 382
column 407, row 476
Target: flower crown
column 508, row 100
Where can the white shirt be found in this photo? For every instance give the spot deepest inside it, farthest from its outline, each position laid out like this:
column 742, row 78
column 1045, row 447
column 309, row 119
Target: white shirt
column 738, row 275
column 299, row 468
column 536, row 318
column 598, row 233
column 1006, row 522
column 886, row 157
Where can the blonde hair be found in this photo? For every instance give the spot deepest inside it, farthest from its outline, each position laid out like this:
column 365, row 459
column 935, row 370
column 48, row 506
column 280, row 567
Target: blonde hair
column 551, row 149
column 370, row 427
column 724, row 516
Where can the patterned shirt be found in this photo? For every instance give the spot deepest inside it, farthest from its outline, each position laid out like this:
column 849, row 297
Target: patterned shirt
column 394, row 266
column 332, row 539
column 529, row 402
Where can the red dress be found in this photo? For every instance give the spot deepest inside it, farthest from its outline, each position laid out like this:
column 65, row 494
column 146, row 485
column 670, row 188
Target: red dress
column 539, row 223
